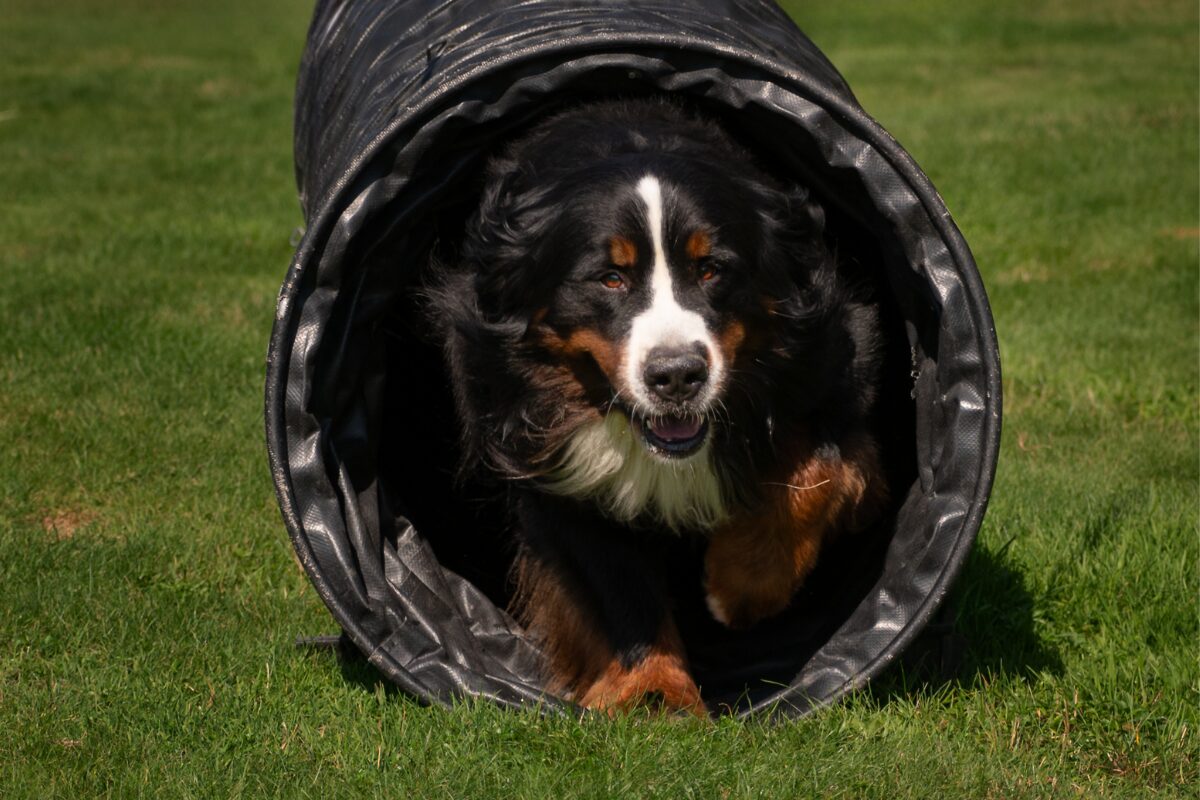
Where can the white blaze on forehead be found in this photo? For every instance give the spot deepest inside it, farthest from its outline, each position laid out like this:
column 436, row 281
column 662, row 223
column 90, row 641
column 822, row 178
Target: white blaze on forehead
column 665, row 322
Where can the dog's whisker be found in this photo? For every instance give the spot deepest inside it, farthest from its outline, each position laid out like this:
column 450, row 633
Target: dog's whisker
column 798, row 488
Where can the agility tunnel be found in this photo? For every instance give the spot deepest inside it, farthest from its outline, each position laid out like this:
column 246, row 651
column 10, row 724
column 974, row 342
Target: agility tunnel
column 398, row 106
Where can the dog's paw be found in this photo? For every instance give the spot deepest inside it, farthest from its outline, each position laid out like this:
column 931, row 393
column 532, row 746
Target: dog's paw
column 744, row 586
column 717, row 608
column 658, row 682
column 741, row 609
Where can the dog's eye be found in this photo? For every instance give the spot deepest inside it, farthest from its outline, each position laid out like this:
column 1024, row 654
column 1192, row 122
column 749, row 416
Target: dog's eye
column 709, row 272
column 612, row 280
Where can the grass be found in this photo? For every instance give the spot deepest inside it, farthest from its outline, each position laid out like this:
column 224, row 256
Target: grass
column 150, row 598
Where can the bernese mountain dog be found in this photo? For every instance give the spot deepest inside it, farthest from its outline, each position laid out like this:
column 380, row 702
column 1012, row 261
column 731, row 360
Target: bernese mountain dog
column 649, row 336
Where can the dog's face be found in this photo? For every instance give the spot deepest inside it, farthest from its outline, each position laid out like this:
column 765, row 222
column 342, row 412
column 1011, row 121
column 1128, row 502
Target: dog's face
column 655, row 290
column 633, row 299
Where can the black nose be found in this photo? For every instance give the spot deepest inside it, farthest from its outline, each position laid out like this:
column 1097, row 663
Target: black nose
column 675, row 375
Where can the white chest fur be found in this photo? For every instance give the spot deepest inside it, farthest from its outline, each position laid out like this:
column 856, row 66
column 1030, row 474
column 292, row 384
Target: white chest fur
column 605, row 462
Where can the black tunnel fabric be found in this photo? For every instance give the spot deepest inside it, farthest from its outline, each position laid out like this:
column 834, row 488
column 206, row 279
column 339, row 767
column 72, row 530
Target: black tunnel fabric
column 398, row 106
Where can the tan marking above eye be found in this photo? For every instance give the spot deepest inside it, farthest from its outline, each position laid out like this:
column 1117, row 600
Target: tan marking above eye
column 699, row 245
column 622, row 252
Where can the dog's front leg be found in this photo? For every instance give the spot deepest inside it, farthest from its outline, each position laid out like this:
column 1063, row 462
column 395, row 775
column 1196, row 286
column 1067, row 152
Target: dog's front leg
column 591, row 593
column 756, row 561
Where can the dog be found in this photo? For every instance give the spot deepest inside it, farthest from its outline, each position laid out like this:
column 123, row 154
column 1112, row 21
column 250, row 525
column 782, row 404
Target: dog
column 649, row 336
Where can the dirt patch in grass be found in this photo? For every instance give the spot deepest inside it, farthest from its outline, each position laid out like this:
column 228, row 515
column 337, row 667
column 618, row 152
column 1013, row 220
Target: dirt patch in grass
column 1182, row 233
column 1028, row 272
column 64, row 523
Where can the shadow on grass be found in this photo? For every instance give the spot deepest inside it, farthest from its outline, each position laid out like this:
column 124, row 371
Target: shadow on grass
column 985, row 629
column 355, row 668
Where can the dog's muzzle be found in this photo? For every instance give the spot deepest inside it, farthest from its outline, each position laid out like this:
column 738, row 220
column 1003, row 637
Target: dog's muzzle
column 674, row 378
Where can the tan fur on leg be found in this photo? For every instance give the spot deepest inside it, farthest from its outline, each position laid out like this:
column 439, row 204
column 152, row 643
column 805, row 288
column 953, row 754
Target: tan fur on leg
column 756, row 562
column 661, row 678
column 582, row 665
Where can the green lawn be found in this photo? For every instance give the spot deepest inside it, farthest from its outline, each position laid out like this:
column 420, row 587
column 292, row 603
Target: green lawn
column 150, row 598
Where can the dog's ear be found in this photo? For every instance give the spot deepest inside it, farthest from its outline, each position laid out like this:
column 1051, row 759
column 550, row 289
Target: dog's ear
column 489, row 231
column 503, row 238
column 793, row 235
column 793, row 213
column 804, row 212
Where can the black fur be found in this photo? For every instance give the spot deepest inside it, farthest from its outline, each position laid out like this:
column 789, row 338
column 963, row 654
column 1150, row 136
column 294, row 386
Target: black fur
column 532, row 248
column 537, row 202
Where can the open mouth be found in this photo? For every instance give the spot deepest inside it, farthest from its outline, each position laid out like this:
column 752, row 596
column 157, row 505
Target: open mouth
column 676, row 437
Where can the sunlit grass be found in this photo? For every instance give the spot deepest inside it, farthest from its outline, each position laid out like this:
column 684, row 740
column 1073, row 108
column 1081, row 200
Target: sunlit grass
column 150, row 598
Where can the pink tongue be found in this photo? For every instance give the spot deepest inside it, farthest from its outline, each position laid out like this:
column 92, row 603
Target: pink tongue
column 675, row 429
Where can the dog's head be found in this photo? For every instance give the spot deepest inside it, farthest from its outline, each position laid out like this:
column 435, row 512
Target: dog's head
column 632, row 288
